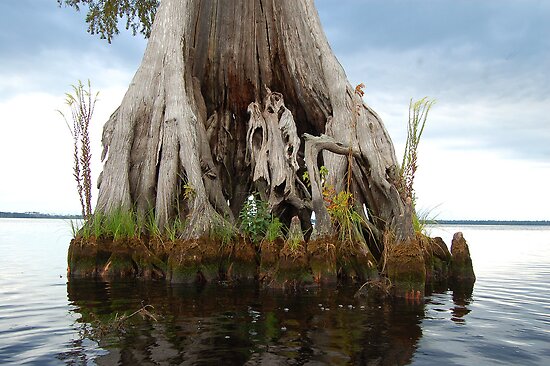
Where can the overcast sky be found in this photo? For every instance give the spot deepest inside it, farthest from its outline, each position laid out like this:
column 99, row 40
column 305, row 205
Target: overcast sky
column 486, row 149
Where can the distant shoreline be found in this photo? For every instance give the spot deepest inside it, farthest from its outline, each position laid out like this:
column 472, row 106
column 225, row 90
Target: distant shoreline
column 38, row 215
column 35, row 215
column 492, row 222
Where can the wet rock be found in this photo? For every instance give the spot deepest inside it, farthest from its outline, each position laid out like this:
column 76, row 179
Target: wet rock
column 406, row 269
column 462, row 270
column 438, row 261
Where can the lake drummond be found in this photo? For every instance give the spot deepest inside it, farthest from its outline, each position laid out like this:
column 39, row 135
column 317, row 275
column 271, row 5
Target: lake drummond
column 44, row 320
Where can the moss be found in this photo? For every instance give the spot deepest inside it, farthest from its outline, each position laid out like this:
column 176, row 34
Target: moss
column 83, row 258
column 184, row 274
column 184, row 263
column 269, row 259
column 406, row 268
column 275, row 264
column 210, row 271
column 293, row 267
column 119, row 265
column 322, row 261
column 354, row 262
column 462, row 270
column 437, row 259
column 244, row 262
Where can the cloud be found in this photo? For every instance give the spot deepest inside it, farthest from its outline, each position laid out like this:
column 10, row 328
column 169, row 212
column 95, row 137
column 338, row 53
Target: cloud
column 36, row 150
column 50, row 49
column 485, row 62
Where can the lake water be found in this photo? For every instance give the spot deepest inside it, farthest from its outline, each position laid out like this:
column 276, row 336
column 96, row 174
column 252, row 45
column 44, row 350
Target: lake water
column 46, row 321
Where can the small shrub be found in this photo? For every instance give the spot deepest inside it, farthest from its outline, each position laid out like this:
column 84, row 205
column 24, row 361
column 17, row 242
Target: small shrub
column 256, row 220
column 340, row 207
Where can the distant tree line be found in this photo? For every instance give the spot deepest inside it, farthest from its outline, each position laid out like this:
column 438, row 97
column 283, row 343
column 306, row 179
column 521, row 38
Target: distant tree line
column 38, row 215
column 492, row 222
column 35, row 215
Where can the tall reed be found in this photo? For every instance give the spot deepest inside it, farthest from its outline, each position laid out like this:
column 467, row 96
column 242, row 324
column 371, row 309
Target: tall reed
column 418, row 113
column 81, row 103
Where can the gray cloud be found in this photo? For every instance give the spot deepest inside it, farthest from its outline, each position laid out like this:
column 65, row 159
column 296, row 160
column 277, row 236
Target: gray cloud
column 485, row 62
column 45, row 48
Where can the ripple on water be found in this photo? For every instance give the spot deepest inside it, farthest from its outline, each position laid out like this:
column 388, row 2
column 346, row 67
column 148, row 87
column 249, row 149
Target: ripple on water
column 42, row 319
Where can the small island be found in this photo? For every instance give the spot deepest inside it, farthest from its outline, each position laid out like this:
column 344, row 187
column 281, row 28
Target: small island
column 230, row 138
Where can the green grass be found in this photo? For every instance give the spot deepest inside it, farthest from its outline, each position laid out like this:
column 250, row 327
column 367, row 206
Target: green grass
column 120, row 224
column 223, row 231
column 150, row 224
column 274, row 230
column 421, row 220
column 174, row 229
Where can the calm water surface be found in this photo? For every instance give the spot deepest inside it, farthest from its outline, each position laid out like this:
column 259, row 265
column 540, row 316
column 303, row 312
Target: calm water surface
column 46, row 321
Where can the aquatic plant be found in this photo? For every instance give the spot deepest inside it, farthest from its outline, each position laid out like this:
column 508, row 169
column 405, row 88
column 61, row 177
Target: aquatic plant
column 81, row 103
column 274, row 229
column 223, row 231
column 120, row 224
column 418, row 114
column 423, row 218
column 174, row 229
column 340, row 206
column 257, row 222
column 99, row 328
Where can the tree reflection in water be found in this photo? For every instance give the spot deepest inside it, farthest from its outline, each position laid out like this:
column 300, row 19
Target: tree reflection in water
column 242, row 325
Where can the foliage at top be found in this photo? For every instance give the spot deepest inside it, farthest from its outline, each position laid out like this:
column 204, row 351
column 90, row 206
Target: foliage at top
column 103, row 15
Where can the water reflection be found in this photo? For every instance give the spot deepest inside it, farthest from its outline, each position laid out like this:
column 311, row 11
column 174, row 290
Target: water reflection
column 245, row 325
column 462, row 297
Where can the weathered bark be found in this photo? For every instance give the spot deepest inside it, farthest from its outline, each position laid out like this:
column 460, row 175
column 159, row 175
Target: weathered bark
column 200, row 117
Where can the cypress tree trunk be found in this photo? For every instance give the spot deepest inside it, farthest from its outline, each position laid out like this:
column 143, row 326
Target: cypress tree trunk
column 219, row 108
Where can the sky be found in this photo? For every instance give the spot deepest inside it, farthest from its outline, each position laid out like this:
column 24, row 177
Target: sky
column 485, row 152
